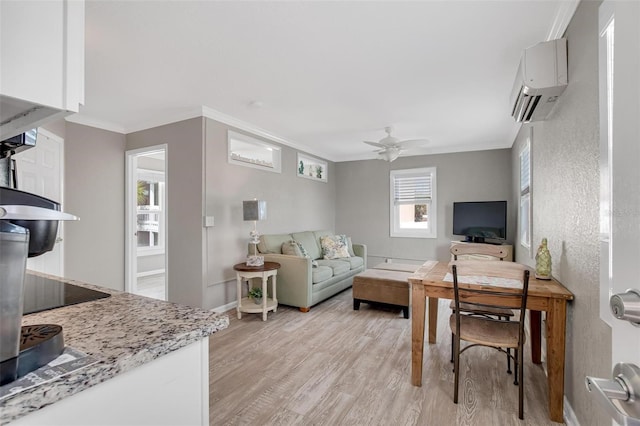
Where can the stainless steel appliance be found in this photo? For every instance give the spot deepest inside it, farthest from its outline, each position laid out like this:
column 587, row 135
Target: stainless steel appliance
column 28, row 228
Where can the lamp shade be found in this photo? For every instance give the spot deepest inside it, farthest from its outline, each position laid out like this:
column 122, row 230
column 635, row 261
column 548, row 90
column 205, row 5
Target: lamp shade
column 254, row 210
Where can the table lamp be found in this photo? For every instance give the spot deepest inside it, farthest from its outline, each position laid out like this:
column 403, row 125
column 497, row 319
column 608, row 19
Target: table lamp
column 254, row 210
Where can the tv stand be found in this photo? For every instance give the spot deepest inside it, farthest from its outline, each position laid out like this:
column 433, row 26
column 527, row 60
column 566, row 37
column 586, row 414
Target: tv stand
column 509, row 248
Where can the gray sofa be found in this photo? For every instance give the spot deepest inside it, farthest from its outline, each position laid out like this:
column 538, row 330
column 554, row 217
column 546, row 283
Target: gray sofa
column 299, row 282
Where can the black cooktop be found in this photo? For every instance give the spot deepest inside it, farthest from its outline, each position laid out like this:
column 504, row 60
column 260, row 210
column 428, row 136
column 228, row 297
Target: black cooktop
column 41, row 294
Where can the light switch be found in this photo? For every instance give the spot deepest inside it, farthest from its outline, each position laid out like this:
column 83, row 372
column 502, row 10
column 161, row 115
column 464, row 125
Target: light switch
column 208, row 221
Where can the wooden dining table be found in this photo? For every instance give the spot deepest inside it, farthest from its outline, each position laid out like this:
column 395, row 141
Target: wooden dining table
column 544, row 295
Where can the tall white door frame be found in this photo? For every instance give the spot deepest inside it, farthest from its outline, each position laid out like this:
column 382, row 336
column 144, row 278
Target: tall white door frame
column 131, row 240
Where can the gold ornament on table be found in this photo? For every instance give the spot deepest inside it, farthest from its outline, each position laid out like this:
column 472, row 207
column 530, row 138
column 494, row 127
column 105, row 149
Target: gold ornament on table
column 543, row 261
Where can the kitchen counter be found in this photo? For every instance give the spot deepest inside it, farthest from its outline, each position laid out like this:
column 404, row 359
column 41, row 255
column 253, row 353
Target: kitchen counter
column 123, row 331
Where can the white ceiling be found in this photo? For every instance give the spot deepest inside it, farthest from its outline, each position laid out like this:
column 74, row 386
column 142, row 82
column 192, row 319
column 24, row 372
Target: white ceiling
column 320, row 76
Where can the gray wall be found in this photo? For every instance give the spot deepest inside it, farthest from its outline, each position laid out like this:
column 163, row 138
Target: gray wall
column 94, row 191
column 363, row 200
column 293, row 204
column 565, row 199
column 184, row 177
column 201, row 182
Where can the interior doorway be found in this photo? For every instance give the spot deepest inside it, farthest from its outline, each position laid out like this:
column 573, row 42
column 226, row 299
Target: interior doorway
column 40, row 170
column 146, row 222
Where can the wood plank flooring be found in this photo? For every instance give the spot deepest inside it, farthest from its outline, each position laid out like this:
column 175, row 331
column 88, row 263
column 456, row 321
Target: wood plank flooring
column 337, row 366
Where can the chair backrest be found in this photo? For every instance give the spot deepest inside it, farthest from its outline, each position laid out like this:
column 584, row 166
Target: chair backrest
column 490, row 284
column 476, row 248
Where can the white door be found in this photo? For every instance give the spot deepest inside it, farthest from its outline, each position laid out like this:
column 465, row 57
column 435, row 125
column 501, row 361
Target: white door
column 40, row 172
column 619, row 70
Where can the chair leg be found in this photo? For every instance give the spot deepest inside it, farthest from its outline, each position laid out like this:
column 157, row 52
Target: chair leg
column 456, row 369
column 521, row 386
column 516, row 366
column 452, row 344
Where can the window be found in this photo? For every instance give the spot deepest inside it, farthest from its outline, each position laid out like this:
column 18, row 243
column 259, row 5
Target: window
column 413, row 203
column 150, row 211
column 525, row 195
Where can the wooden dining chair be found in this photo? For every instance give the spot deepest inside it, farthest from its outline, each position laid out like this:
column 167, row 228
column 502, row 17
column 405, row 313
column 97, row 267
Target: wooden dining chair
column 490, row 285
column 484, row 252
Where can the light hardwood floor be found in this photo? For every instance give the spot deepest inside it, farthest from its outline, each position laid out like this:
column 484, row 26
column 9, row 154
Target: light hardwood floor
column 337, row 366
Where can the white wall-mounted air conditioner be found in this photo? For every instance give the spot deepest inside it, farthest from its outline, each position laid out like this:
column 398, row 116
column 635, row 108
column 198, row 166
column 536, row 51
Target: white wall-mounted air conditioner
column 541, row 78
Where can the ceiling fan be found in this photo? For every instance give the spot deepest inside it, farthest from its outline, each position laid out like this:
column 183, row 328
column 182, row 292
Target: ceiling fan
column 390, row 147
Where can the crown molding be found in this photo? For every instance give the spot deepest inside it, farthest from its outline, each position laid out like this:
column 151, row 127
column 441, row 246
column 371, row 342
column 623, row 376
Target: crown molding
column 564, row 14
column 257, row 131
column 85, row 120
column 202, row 111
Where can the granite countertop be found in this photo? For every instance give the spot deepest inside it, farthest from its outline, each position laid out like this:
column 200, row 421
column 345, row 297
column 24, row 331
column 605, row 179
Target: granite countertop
column 123, row 331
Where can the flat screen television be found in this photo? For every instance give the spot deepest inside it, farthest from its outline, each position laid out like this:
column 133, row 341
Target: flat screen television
column 480, row 220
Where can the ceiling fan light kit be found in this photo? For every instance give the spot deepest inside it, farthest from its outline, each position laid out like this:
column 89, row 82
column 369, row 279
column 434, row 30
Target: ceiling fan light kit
column 391, row 147
column 389, row 154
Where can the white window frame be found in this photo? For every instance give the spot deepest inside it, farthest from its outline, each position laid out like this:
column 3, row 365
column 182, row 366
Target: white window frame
column 159, row 209
column 525, row 227
column 247, row 151
column 396, row 230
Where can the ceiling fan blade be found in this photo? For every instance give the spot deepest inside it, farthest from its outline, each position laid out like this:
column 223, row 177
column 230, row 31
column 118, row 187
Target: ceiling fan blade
column 376, row 144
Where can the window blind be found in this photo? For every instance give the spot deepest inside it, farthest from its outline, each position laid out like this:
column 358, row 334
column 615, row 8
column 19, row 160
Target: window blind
column 412, row 189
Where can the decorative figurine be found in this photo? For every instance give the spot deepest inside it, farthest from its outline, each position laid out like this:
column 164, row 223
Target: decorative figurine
column 543, row 262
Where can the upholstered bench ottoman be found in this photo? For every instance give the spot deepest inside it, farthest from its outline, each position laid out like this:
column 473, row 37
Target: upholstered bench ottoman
column 386, row 286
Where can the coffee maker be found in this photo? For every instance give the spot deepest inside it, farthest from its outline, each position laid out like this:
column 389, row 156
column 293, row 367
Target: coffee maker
column 28, row 228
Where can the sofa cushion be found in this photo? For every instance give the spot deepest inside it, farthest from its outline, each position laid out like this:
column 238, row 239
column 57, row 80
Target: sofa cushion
column 334, row 246
column 350, row 247
column 294, row 248
column 321, row 273
column 337, row 266
column 355, row 261
column 272, row 243
column 310, row 243
column 291, row 248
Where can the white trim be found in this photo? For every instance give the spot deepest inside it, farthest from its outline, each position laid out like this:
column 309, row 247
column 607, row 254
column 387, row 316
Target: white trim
column 257, row 144
column 569, row 415
column 131, row 252
column 527, row 146
column 565, row 12
column 311, row 161
column 224, row 308
column 202, row 111
column 150, row 273
column 431, row 231
column 253, row 129
column 94, row 122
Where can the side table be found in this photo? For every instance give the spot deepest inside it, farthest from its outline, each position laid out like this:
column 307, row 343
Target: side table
column 245, row 304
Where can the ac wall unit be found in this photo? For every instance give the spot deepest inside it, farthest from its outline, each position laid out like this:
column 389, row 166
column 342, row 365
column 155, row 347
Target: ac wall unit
column 541, row 78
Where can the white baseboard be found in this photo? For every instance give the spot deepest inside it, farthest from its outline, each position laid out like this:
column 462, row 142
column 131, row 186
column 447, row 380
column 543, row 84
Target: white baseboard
column 224, row 308
column 570, row 418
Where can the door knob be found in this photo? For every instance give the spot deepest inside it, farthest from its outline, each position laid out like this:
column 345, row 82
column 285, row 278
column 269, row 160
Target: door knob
column 624, row 388
column 626, row 306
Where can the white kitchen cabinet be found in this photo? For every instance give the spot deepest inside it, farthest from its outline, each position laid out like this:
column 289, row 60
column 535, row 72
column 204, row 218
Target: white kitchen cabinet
column 170, row 390
column 42, row 59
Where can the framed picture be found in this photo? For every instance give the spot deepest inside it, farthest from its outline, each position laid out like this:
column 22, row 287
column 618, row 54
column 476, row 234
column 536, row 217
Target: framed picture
column 311, row 168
